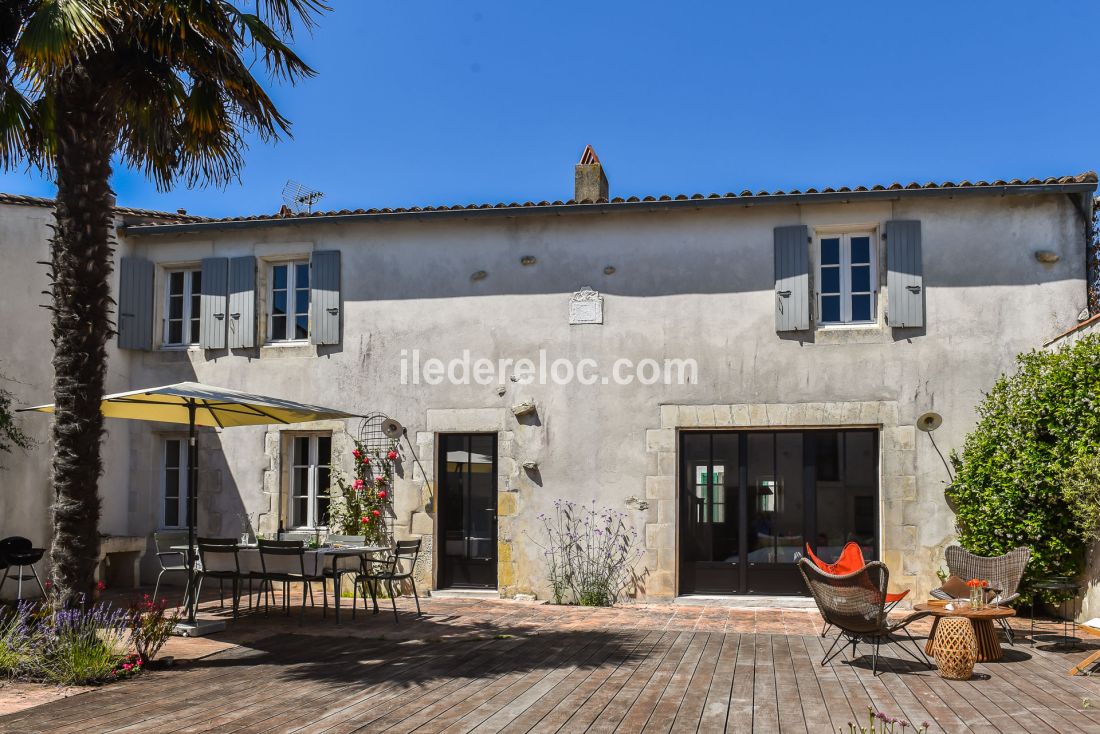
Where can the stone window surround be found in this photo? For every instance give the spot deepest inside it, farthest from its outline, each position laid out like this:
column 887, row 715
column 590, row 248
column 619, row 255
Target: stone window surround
column 897, row 475
column 276, row 479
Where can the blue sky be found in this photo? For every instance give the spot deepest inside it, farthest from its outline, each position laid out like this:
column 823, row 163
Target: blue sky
column 455, row 102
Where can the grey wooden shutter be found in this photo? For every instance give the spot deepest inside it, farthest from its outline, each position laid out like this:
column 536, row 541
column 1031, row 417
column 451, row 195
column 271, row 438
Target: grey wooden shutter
column 324, row 297
column 135, row 304
column 904, row 274
column 242, row 302
column 214, row 303
column 792, row 278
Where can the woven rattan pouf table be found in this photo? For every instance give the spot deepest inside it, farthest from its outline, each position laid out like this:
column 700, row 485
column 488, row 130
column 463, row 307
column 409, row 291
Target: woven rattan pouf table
column 989, row 647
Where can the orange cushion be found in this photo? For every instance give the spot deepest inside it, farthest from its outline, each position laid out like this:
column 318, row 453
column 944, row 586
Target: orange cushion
column 850, row 561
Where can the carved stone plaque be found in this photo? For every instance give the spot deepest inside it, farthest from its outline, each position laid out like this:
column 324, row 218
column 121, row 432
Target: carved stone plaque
column 586, row 307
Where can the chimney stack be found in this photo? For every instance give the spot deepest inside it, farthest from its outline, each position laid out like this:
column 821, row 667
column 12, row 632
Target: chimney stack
column 590, row 181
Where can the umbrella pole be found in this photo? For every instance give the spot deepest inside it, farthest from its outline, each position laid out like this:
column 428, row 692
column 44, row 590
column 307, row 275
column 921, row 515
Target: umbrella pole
column 192, row 509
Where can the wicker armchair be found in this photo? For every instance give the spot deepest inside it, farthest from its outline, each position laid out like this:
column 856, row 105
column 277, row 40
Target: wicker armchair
column 1002, row 572
column 855, row 604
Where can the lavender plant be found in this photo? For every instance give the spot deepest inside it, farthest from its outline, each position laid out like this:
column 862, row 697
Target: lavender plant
column 81, row 646
column 66, row 646
column 590, row 553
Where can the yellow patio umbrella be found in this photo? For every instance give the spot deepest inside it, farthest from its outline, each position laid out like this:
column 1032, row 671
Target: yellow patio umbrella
column 195, row 404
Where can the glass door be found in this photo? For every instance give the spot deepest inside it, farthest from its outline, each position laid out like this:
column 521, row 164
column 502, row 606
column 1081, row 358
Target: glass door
column 776, row 512
column 468, row 510
column 710, row 534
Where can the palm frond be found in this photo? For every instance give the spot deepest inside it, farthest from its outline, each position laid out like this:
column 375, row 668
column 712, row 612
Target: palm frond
column 277, row 56
column 59, row 31
column 15, row 127
column 285, row 14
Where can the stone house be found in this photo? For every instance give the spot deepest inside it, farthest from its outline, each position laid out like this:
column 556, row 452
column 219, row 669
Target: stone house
column 741, row 374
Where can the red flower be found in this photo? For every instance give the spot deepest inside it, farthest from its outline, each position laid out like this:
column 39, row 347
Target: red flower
column 392, row 456
column 355, row 453
column 100, row 586
column 376, row 513
column 380, row 481
column 365, row 520
column 381, row 494
column 358, row 484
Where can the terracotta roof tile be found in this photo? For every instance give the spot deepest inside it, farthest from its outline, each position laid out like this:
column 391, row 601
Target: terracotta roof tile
column 122, row 211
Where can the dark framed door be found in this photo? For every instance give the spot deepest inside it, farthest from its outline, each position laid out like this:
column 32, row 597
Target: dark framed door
column 468, row 510
column 750, row 502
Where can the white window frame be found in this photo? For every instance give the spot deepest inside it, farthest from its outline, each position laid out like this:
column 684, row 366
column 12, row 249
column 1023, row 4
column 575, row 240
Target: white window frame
column 188, row 299
column 845, row 236
column 183, row 471
column 292, row 302
column 312, row 480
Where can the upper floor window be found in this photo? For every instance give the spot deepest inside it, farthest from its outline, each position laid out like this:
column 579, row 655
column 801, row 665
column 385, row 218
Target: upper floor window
column 288, row 304
column 183, row 295
column 846, row 278
column 310, row 457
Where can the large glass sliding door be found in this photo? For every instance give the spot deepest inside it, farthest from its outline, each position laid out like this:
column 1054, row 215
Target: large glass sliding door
column 752, row 500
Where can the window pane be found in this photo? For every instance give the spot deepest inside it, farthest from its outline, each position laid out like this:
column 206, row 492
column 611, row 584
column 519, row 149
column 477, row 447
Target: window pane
column 301, row 275
column 194, row 331
column 278, row 327
column 175, row 307
column 301, row 302
column 278, row 303
column 830, row 280
column 171, row 513
column 301, row 327
column 301, row 505
column 830, row 308
column 830, row 251
column 301, row 480
column 861, row 308
column 196, row 282
column 861, row 249
column 175, row 332
column 278, row 274
column 322, row 511
column 171, row 453
column 861, row 279
column 323, row 481
column 324, row 450
column 301, row 450
column 175, row 284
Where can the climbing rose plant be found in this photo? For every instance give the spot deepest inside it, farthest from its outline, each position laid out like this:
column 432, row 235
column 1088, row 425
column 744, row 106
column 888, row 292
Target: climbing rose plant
column 1014, row 474
column 365, row 499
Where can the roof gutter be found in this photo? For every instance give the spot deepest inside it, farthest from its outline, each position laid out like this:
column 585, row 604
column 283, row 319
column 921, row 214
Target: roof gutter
column 420, row 215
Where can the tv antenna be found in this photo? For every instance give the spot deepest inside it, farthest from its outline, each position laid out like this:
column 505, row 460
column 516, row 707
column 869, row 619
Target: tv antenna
column 300, row 199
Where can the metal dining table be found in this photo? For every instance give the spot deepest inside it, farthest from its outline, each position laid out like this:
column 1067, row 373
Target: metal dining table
column 344, row 561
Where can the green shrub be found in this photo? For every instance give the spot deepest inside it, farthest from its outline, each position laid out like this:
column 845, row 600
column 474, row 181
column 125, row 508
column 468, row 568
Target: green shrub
column 1082, row 488
column 1034, row 427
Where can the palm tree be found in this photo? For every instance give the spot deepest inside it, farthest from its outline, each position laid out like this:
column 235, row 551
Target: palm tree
column 165, row 86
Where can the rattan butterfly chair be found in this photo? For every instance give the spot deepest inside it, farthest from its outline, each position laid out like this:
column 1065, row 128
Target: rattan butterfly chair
column 1002, row 572
column 855, row 604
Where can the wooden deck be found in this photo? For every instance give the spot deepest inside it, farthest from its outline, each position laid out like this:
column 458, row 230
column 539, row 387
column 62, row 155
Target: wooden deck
column 629, row 680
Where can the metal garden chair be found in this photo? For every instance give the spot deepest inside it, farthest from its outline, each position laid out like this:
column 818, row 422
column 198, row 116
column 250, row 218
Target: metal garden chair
column 388, row 571
column 171, row 561
column 215, row 555
column 275, row 549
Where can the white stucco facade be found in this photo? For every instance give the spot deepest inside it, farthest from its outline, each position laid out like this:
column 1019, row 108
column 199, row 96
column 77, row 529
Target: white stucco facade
column 682, row 283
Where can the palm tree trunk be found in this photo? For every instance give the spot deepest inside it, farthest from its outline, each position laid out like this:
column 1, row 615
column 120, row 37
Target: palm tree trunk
column 81, row 259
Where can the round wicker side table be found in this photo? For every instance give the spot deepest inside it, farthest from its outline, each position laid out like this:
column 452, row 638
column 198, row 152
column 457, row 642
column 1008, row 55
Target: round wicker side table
column 956, row 648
